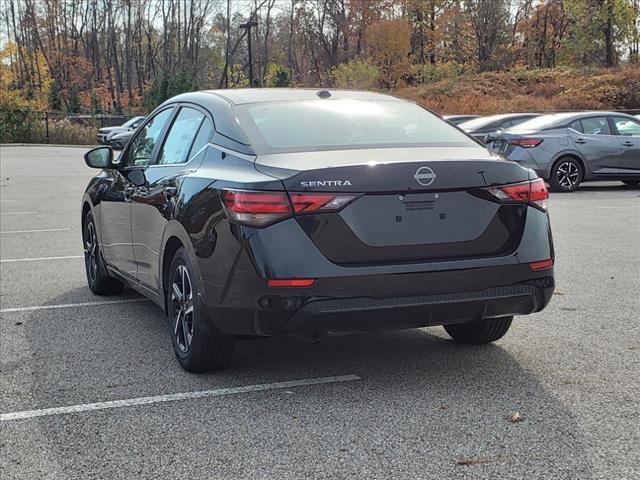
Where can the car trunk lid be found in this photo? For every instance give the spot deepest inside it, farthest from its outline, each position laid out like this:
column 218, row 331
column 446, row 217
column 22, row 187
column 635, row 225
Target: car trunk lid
column 415, row 204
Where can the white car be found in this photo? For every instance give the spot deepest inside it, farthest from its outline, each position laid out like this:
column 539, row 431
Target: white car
column 105, row 134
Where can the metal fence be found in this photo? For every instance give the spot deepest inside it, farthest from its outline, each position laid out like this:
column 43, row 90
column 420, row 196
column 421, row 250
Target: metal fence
column 32, row 126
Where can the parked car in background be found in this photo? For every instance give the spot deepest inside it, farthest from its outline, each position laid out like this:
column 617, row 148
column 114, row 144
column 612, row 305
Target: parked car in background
column 458, row 119
column 479, row 128
column 569, row 148
column 105, row 134
column 315, row 214
column 119, row 140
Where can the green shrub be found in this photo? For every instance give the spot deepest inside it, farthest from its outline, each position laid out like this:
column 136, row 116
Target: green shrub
column 357, row 73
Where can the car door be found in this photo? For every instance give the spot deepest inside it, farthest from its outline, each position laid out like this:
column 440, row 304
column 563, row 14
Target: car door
column 628, row 133
column 115, row 219
column 600, row 148
column 181, row 152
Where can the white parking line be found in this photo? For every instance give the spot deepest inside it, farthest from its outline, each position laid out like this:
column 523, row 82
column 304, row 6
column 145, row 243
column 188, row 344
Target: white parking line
column 38, row 259
column 37, row 231
column 132, row 402
column 19, row 213
column 71, row 305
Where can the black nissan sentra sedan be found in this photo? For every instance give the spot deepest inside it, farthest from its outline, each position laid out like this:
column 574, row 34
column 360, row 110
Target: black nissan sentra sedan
column 261, row 212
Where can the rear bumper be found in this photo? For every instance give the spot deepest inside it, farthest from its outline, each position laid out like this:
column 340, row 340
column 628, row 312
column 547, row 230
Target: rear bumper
column 322, row 316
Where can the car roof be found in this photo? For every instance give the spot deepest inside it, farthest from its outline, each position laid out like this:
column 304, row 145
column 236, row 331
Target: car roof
column 504, row 116
column 241, row 96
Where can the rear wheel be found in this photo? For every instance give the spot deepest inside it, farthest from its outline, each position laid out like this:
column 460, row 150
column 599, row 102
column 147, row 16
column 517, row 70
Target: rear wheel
column 566, row 175
column 196, row 350
column 477, row 333
column 631, row 183
column 99, row 280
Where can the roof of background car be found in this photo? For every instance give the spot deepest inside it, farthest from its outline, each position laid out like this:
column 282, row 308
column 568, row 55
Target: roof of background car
column 257, row 95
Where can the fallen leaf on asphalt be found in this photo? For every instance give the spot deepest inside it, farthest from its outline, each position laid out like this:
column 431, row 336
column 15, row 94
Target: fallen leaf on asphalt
column 515, row 417
column 472, row 461
column 557, row 292
column 18, row 323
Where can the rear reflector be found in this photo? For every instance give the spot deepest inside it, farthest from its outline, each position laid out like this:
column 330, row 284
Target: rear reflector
column 291, row 282
column 541, row 265
column 534, row 192
column 526, row 142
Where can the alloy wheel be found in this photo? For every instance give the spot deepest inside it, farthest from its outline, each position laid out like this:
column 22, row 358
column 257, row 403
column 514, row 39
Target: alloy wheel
column 182, row 308
column 568, row 175
column 91, row 252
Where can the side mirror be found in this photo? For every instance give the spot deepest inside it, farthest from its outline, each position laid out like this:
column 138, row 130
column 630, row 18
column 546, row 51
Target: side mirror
column 99, row 157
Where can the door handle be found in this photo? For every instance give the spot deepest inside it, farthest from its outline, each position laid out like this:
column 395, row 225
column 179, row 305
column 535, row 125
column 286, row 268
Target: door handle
column 628, row 144
column 170, row 191
column 580, row 140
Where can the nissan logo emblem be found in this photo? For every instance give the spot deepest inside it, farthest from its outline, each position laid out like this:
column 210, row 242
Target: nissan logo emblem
column 425, row 176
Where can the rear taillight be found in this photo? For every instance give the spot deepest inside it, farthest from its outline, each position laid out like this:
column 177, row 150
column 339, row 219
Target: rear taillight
column 534, row 192
column 319, row 202
column 526, row 142
column 259, row 209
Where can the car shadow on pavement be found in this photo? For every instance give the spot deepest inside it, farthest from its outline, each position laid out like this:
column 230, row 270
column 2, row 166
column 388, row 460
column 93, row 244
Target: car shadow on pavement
column 423, row 404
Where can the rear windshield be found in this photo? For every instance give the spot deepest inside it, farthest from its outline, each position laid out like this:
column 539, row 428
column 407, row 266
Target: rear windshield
column 540, row 123
column 310, row 125
column 481, row 122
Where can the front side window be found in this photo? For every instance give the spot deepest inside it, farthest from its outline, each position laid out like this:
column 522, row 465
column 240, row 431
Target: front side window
column 139, row 154
column 308, row 125
column 181, row 137
column 627, row 126
column 596, row 126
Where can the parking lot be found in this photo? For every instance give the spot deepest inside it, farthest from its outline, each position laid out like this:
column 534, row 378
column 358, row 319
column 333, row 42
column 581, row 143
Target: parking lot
column 398, row 405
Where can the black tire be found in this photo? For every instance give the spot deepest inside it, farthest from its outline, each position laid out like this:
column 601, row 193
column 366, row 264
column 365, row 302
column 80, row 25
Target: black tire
column 196, row 350
column 479, row 333
column 631, row 183
column 566, row 175
column 98, row 278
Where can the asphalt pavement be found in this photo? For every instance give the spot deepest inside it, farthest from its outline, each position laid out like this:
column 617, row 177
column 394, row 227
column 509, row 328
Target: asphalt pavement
column 400, row 405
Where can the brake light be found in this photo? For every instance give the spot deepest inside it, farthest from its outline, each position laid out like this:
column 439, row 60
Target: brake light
column 256, row 209
column 291, row 282
column 526, row 142
column 319, row 202
column 534, row 192
column 259, row 209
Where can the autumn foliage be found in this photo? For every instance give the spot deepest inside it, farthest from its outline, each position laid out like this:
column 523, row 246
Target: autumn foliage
column 471, row 56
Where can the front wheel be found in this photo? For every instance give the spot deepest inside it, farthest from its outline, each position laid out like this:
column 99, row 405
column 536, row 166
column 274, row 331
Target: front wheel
column 566, row 175
column 196, row 350
column 478, row 333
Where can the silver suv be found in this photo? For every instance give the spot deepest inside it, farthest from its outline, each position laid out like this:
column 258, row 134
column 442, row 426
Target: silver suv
column 569, row 148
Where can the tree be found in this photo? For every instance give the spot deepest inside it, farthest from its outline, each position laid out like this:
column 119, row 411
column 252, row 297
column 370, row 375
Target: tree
column 389, row 43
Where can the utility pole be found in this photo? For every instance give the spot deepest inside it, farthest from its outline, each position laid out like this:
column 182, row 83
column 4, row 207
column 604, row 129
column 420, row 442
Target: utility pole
column 248, row 26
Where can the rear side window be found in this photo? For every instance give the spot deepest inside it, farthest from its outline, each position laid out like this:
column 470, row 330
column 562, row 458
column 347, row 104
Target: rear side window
column 203, row 137
column 308, row 125
column 596, row 126
column 577, row 126
column 181, row 137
